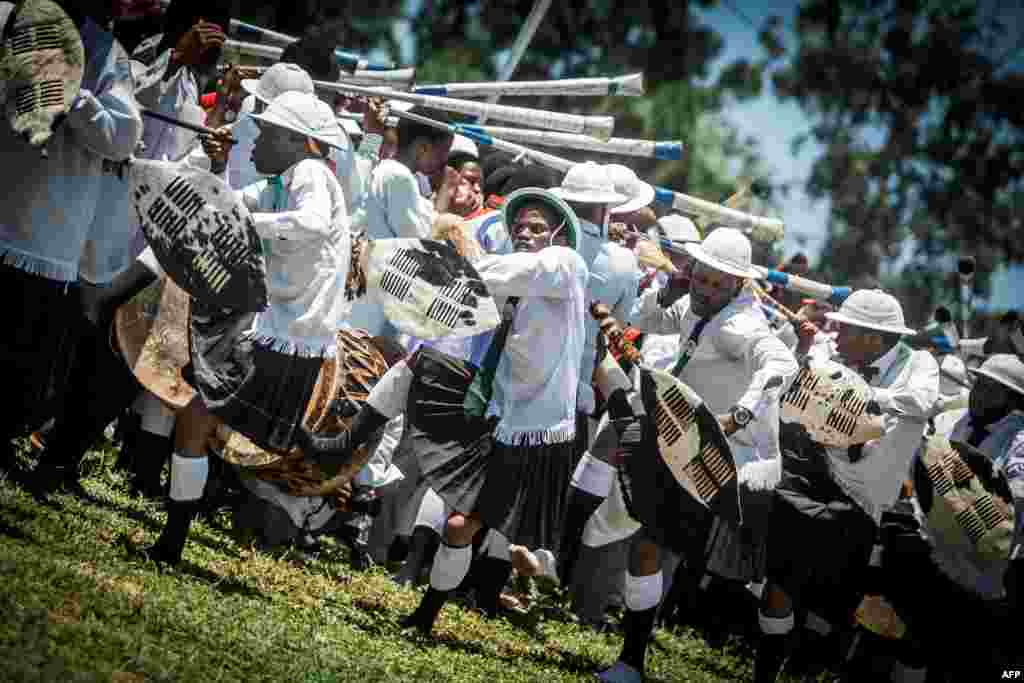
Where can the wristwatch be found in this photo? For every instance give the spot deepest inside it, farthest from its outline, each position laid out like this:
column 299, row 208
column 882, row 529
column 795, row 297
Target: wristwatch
column 741, row 416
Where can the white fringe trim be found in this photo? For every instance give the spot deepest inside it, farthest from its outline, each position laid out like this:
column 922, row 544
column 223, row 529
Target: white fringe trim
column 51, row 269
column 290, row 347
column 563, row 432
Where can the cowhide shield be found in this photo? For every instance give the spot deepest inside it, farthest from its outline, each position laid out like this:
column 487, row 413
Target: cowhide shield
column 427, row 289
column 42, row 60
column 967, row 501
column 830, row 401
column 151, row 332
column 200, row 233
column 691, row 443
column 341, row 390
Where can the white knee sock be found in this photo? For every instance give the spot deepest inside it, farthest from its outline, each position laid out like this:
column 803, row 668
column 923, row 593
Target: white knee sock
column 188, row 477
column 496, row 545
column 775, row 626
column 642, row 592
column 451, row 564
column 155, row 416
column 432, row 513
column 389, row 395
column 593, row 476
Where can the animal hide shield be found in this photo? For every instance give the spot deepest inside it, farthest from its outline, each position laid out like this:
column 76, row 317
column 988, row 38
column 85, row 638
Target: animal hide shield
column 341, row 390
column 201, row 234
column 42, row 60
column 691, row 443
column 967, row 501
column 427, row 289
column 151, row 332
column 830, row 401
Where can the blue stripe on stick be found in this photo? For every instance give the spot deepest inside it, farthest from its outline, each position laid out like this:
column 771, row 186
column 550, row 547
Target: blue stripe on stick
column 668, row 150
column 436, row 90
column 663, row 195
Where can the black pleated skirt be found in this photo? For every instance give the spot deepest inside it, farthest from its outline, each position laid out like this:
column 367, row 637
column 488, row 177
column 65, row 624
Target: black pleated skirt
column 819, row 541
column 256, row 389
column 520, row 491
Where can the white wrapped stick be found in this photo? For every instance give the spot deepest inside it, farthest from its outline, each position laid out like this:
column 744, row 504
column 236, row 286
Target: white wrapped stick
column 631, row 85
column 760, row 228
column 597, row 126
column 346, row 59
column 400, row 79
column 542, row 158
column 651, row 149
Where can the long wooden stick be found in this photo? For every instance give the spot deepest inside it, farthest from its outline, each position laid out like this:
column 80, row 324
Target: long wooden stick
column 194, row 127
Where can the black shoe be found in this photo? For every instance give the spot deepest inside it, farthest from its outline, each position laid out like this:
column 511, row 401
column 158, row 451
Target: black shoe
column 169, row 547
column 426, row 614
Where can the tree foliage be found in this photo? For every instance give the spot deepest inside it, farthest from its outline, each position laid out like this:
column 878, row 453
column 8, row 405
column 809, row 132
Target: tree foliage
column 916, row 105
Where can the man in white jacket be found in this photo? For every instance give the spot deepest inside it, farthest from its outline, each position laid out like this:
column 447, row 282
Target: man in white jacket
column 733, row 360
column 828, row 505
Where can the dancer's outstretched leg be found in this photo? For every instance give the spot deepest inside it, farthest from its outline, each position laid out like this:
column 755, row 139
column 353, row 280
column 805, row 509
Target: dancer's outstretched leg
column 451, row 564
column 190, row 469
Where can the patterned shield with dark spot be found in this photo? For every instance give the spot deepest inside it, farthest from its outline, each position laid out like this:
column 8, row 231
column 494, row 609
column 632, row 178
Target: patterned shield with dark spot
column 830, row 401
column 428, row 290
column 202, row 235
column 42, row 60
column 966, row 499
column 691, row 443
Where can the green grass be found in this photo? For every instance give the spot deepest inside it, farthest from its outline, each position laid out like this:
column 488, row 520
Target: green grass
column 78, row 605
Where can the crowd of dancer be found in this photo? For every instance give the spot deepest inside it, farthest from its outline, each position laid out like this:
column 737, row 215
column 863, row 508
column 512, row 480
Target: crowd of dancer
column 549, row 467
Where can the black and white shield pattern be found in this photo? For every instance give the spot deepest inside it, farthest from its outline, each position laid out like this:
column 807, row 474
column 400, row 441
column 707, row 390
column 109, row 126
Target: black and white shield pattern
column 42, row 60
column 691, row 443
column 967, row 501
column 201, row 234
column 830, row 401
column 428, row 290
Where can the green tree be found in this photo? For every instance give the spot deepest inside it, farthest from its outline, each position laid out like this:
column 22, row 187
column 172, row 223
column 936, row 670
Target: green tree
column 916, row 106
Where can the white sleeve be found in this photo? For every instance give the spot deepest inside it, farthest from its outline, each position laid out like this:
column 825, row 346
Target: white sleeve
column 649, row 317
column 917, row 395
column 1013, row 468
column 107, row 122
column 551, row 272
column 754, row 342
column 311, row 217
column 148, row 259
column 408, row 213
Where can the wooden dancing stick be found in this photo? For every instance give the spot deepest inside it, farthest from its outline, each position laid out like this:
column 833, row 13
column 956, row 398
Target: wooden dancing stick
column 194, row 127
column 598, row 126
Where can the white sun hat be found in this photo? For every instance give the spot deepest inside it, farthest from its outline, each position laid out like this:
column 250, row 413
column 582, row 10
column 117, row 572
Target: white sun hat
column 953, row 376
column 588, row 183
column 1005, row 368
column 306, row 114
column 725, row 249
column 677, row 230
column 874, row 310
column 278, row 79
column 626, row 182
column 463, row 145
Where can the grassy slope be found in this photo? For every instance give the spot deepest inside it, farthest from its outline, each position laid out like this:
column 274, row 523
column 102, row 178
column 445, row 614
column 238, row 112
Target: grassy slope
column 77, row 605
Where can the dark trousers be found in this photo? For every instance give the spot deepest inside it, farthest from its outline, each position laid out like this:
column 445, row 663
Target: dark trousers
column 101, row 387
column 41, row 327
